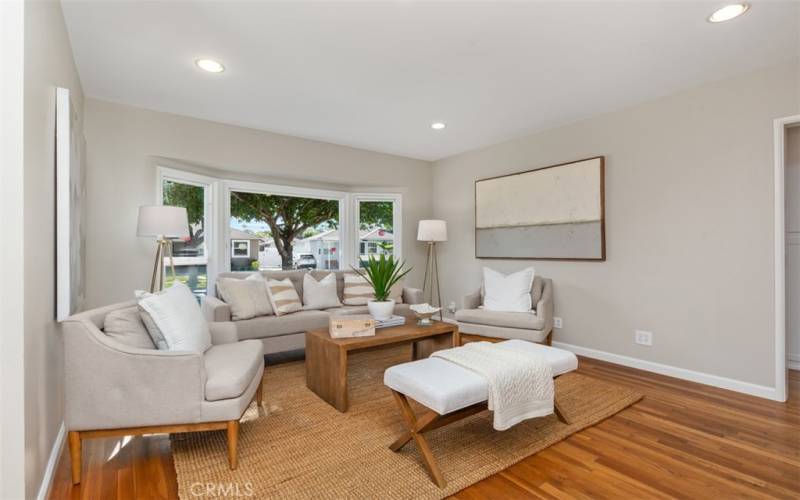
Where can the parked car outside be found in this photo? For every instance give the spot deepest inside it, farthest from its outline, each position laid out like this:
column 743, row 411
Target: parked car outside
column 306, row 261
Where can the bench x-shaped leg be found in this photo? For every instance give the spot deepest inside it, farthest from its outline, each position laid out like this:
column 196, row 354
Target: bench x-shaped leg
column 431, row 420
column 415, row 427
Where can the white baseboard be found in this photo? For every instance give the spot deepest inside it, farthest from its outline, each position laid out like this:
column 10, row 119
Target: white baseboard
column 761, row 391
column 793, row 361
column 52, row 463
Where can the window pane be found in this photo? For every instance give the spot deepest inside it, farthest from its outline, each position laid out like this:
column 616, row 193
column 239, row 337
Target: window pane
column 284, row 232
column 191, row 256
column 376, row 224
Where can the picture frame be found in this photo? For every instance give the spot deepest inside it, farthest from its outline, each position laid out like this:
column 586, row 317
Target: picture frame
column 555, row 212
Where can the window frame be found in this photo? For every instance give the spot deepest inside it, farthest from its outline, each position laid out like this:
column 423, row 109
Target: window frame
column 345, row 245
column 397, row 220
column 218, row 209
column 210, row 187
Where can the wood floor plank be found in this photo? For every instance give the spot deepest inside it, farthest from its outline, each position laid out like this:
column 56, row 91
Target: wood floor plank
column 683, row 440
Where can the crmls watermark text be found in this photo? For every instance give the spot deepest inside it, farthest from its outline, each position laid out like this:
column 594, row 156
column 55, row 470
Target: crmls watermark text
column 222, row 490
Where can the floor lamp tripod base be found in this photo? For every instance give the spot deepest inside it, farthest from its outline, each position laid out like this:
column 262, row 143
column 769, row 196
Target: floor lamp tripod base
column 432, row 275
column 163, row 250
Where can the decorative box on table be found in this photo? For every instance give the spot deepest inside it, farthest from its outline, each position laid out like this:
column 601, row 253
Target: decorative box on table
column 355, row 325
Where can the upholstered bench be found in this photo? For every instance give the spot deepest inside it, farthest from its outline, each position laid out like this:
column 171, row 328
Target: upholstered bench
column 451, row 393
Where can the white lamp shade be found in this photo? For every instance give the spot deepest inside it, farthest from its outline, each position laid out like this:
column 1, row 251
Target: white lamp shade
column 161, row 220
column 432, row 230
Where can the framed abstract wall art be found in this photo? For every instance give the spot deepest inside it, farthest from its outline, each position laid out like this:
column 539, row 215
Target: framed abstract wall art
column 551, row 213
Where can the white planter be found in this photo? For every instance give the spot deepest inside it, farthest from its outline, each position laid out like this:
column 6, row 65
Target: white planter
column 381, row 311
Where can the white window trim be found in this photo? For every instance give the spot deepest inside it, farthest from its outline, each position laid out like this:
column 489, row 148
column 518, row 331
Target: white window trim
column 397, row 222
column 218, row 210
column 346, row 245
column 233, row 244
column 211, row 222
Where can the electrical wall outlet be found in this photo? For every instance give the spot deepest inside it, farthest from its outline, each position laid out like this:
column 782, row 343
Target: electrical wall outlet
column 452, row 307
column 642, row 337
column 557, row 322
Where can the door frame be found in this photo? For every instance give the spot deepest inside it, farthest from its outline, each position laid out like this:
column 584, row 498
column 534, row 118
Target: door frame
column 781, row 370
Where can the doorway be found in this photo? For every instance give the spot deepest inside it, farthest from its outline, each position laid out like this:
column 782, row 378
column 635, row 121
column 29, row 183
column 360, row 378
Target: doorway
column 792, row 235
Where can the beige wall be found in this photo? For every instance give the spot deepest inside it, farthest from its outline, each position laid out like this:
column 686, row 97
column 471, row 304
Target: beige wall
column 48, row 64
column 689, row 207
column 123, row 144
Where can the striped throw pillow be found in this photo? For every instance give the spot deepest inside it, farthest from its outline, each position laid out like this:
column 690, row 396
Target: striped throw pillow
column 356, row 290
column 283, row 296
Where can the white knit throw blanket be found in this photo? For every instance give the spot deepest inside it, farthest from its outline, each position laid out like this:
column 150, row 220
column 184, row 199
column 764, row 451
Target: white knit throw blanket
column 520, row 383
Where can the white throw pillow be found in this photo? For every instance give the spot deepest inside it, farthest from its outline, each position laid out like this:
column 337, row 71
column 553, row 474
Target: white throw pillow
column 247, row 298
column 320, row 294
column 177, row 315
column 357, row 291
column 510, row 293
column 283, row 296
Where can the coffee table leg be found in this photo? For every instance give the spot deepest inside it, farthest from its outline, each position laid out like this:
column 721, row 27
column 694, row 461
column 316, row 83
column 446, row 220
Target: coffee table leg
column 326, row 372
column 424, row 348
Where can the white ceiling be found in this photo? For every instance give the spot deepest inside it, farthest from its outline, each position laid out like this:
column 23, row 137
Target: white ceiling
column 375, row 75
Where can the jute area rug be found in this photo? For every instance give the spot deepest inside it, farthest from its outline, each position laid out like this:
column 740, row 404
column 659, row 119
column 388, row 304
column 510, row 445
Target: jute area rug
column 297, row 446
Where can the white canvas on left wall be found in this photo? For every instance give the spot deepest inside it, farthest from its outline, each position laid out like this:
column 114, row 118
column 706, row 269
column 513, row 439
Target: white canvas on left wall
column 70, row 230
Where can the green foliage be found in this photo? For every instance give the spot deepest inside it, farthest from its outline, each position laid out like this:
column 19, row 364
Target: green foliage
column 382, row 273
column 376, row 214
column 287, row 216
column 187, row 196
column 254, row 265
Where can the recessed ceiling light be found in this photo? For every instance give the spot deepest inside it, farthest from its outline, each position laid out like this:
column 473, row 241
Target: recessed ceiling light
column 438, row 125
column 728, row 12
column 210, row 65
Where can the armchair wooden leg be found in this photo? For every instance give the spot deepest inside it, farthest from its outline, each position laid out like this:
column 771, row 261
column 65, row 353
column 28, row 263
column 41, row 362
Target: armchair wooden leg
column 260, row 393
column 75, row 455
column 233, row 441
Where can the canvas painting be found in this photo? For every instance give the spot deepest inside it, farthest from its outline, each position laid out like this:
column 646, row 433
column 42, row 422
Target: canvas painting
column 70, row 227
column 553, row 213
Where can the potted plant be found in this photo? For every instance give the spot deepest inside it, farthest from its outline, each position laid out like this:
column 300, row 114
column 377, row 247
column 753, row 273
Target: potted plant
column 382, row 274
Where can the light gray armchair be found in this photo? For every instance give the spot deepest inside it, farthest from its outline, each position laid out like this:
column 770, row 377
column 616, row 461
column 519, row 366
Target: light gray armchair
column 475, row 323
column 113, row 389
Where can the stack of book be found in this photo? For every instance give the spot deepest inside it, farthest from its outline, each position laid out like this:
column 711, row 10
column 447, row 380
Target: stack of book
column 393, row 321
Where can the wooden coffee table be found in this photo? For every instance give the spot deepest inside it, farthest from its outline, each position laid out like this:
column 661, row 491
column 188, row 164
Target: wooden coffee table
column 326, row 358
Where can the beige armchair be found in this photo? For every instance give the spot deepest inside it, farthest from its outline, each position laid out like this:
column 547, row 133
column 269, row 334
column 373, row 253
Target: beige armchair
column 475, row 323
column 113, row 389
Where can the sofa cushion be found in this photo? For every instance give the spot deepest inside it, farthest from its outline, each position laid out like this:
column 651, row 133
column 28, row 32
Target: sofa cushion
column 357, row 291
column 508, row 292
column 320, row 293
column 271, row 326
column 283, row 296
column 521, row 320
column 126, row 326
column 537, row 290
column 177, row 314
column 230, row 368
column 247, row 298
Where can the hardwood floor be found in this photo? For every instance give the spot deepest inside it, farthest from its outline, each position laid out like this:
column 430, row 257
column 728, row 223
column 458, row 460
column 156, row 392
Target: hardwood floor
column 683, row 440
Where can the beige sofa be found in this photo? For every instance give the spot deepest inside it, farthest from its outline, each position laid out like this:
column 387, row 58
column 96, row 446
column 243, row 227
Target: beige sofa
column 114, row 389
column 534, row 326
column 286, row 333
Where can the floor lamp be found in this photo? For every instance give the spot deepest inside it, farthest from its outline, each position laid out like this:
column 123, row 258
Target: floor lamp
column 431, row 232
column 165, row 224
